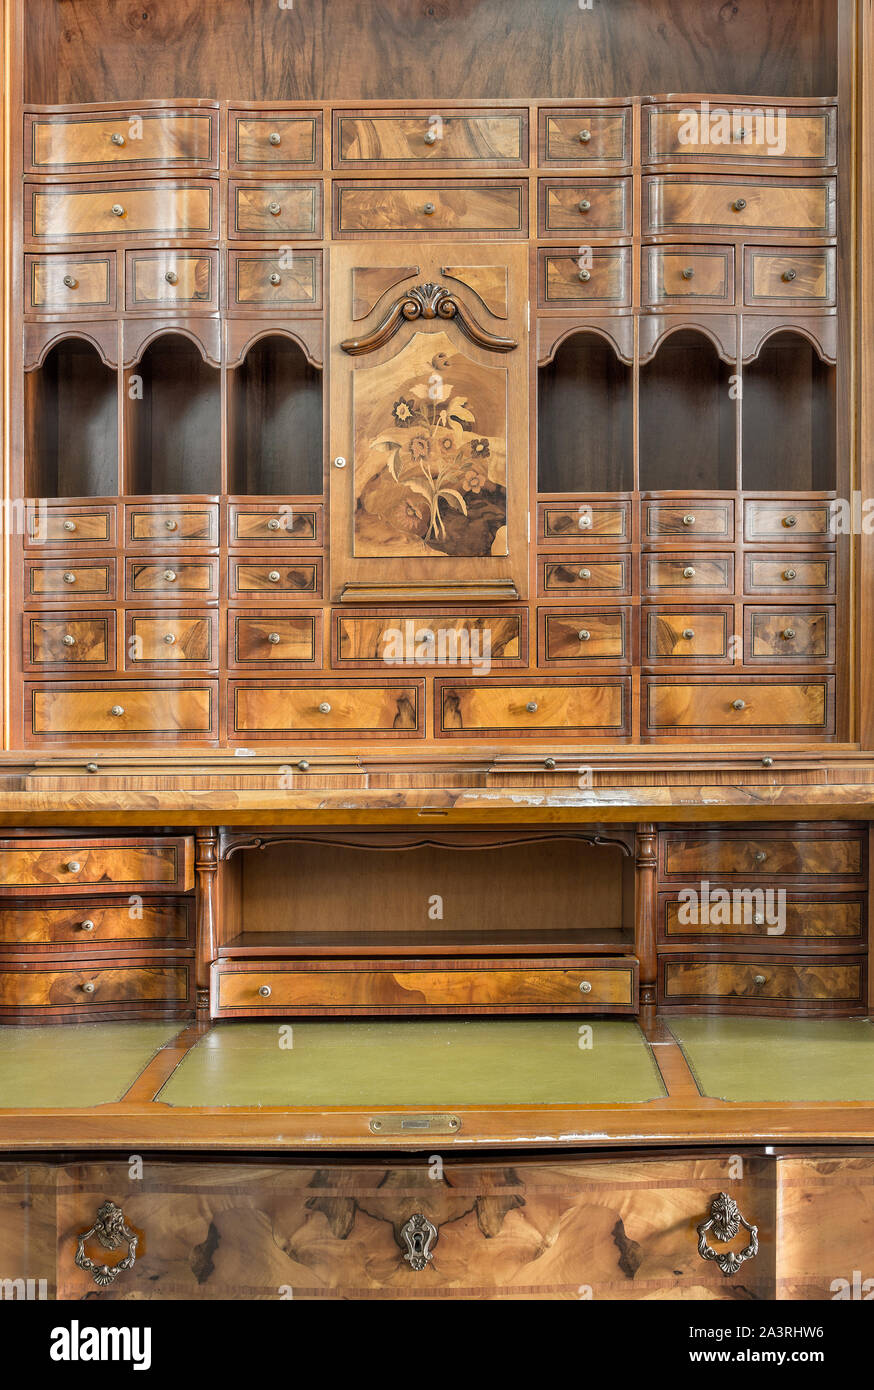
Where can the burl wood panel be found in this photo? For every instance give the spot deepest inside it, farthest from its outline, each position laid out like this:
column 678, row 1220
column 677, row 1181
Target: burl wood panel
column 672, row 573
column 69, row 866
column 449, row 206
column 787, row 574
column 763, row 982
column 170, row 577
column 92, row 988
column 76, row 144
column 262, row 639
column 599, row 276
column 688, row 634
column 28, row 1230
column 804, row 136
column 589, row 521
column 689, row 521
column 768, row 851
column 70, row 526
column 767, row 207
column 688, row 274
column 57, row 580
column 377, row 139
column 155, row 639
column 429, row 638
column 583, row 136
column 808, row 920
column 285, row 522
column 825, row 1211
column 295, row 708
column 598, row 208
column 789, row 634
column 154, row 526
column 788, row 521
column 672, row 706
column 161, row 280
column 88, row 924
column 70, row 285
column 256, row 578
column 120, row 711
column 266, row 282
column 274, row 140
column 589, row 705
column 83, row 212
column 790, row 277
column 274, row 210
column 56, row 641
column 586, row 634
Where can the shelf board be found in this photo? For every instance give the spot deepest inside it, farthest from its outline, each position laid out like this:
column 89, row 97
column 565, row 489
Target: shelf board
column 580, row 941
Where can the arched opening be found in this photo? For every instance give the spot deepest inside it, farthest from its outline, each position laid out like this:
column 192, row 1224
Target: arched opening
column 173, row 412
column 788, row 418
column 276, row 421
column 71, row 424
column 584, row 419
column 687, row 417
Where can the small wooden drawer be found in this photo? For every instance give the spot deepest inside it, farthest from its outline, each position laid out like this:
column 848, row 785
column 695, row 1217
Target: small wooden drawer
column 688, row 275
column 77, row 142
column 262, row 282
column 583, row 635
column 274, row 140
column 31, row 926
column 65, row 581
column 252, row 578
column 84, row 212
column 763, row 984
column 272, row 210
column 766, row 206
column 688, row 521
column 262, row 710
column 82, row 639
column 763, row 704
column 70, row 526
column 171, row 524
column 171, row 578
column 121, row 712
column 575, row 575
column 274, row 639
column 280, row 523
column 156, row 864
column 747, row 914
column 793, row 634
column 153, row 987
column 576, row 135
column 596, row 275
column 477, row 638
column 785, row 521
column 661, row 574
column 70, row 284
column 584, row 521
column 424, row 987
column 722, row 133
column 688, row 635
column 771, row 853
column 162, row 279
column 789, row 574
column 404, row 139
column 587, row 705
column 491, row 206
column 597, row 208
column 171, row 639
column 790, row 277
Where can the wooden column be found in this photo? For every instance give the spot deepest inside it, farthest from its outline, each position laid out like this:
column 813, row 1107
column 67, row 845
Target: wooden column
column 206, row 871
column 645, row 863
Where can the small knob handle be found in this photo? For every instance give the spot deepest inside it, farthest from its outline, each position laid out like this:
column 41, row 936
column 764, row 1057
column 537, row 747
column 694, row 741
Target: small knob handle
column 759, row 980
column 688, row 633
column 87, row 925
column 789, row 574
column 688, row 519
column 324, row 707
column 275, row 278
column 71, row 282
column 169, row 638
column 303, row 765
column 585, row 275
column 531, row 706
column 265, row 991
column 688, row 272
column 69, row 525
column 787, row 634
column 549, row 763
column 117, row 210
column 88, row 987
column 584, row 634
column 740, row 134
column 69, row 640
column 429, row 208
column 585, row 987
column 274, row 209
column 689, row 572
column 273, row 638
column 430, row 137
column 273, row 524
column 339, row 461
column 758, row 920
column 788, row 275
column 767, row 762
column 171, row 525
column 69, row 577
column 739, row 204
column 274, row 576
column 170, row 576
column 790, row 521
column 117, row 139
column 584, row 574
column 274, row 137
column 584, row 137
column 73, row 866
column 738, row 704
column 90, row 767
column 760, row 856
column 584, row 205
column 117, row 711
column 171, row 277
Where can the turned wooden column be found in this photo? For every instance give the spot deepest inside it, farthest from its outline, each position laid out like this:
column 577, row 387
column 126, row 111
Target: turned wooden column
column 206, row 871
column 645, row 863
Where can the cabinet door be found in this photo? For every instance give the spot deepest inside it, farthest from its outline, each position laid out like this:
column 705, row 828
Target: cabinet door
column 429, row 420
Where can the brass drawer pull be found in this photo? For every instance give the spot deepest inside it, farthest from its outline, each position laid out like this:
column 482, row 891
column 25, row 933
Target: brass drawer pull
column 111, row 1230
column 274, row 137
column 171, row 277
column 169, row 638
column 585, row 987
column 68, row 639
column 584, row 574
column 790, row 520
column 584, row 205
column 584, row 137
column 339, row 461
column 117, row 711
column 741, row 134
column 584, row 634
column 73, row 866
column 170, row 576
column 430, row 137
column 759, row 980
column 324, row 707
column 758, row 919
column 265, row 991
column 761, row 856
column 688, row 633
column 531, row 706
column 71, row 282
column 273, row 638
column 273, row 524
column 787, row 634
column 585, row 275
column 429, row 208
column 688, row 272
column 303, row 765
column 274, row 576
column 689, row 519
column 117, row 139
column 790, row 574
column 788, row 275
column 117, row 210
column 418, row 1235
column 171, row 525
column 689, row 572
column 88, row 987
column 738, row 704
column 69, row 577
column 274, row 209
column 87, row 925
column 549, row 764
column 69, row 525
column 275, row 278
column 739, row 204
column 725, row 1221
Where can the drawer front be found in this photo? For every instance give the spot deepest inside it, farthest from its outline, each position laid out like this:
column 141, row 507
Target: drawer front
column 688, row 635
column 597, row 275
column 576, row 135
column 174, row 524
column 80, row 212
column 801, row 136
column 254, row 578
column 161, row 279
column 688, row 521
column 153, row 988
column 280, row 140
column 764, row 984
column 431, row 638
column 121, row 711
column 588, row 634
column 277, row 523
column 271, row 210
column 57, row 580
column 599, row 208
column 70, row 526
column 417, row 987
column 789, row 634
column 787, row 574
column 790, row 277
column 408, row 138
column 77, row 143
column 808, row 522
column 162, row 864
column 757, row 705
column 274, row 639
column 88, row 639
column 768, row 207
column 388, row 707
column 672, row 573
column 587, row 705
column 754, row 913
column 69, row 285
column 289, row 278
column 589, row 521
column 574, row 575
column 92, row 924
column 171, row 578
column 171, row 639
column 769, row 853
column 688, row 274
column 494, row 207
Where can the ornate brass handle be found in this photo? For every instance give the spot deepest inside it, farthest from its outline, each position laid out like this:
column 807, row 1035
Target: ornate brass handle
column 419, row 1235
column 111, row 1230
column 725, row 1221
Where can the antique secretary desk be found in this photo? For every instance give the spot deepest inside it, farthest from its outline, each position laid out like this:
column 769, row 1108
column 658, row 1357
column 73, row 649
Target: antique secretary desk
column 437, row 648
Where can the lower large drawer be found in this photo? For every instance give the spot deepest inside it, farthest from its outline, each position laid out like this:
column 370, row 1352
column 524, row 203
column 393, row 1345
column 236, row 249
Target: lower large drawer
column 754, row 706
column 593, row 705
column 605, row 985
column 121, row 711
column 763, row 984
column 157, row 987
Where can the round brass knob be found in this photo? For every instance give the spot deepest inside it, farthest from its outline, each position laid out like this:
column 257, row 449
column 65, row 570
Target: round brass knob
column 117, row 139
column 584, row 634
column 787, row 634
column 273, row 524
column 585, row 574
column 339, row 461
column 275, row 278
column 740, row 134
column 69, row 577
column 760, row 856
column 171, row 525
column 584, row 137
column 274, row 576
column 274, row 137
column 90, row 767
column 688, row 272
column 117, row 210
column 69, row 640
column 324, row 707
column 789, row 574
column 273, row 638
column 585, row 987
column 429, row 208
column 759, row 980
column 171, row 277
column 303, row 765
column 689, row 572
column 430, row 137
column 71, row 282
column 585, row 275
column 117, row 711
column 549, row 763
column 274, row 209
column 767, row 762
column 790, row 521
column 87, row 925
column 788, row 275
column 265, row 991
column 688, row 519
column 758, row 920
column 170, row 576
column 739, row 204
column 531, row 706
column 584, row 205
column 169, row 638
column 688, row 633
column 69, row 525
column 88, row 987
column 738, row 704
column 73, row 866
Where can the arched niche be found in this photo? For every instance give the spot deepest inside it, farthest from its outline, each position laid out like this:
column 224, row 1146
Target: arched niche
column 276, row 420
column 687, row 416
column 173, row 413
column 71, row 423
column 788, row 417
column 584, row 418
